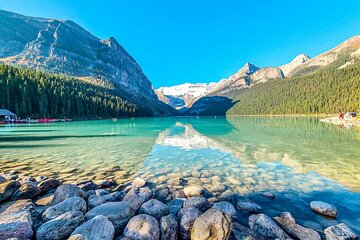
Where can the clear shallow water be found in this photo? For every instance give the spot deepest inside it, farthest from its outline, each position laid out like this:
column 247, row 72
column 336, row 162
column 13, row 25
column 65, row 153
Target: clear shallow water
column 298, row 156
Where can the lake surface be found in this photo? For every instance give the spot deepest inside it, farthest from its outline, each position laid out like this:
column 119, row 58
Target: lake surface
column 287, row 155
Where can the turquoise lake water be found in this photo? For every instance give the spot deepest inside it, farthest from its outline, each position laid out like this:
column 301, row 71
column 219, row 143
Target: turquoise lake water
column 287, row 155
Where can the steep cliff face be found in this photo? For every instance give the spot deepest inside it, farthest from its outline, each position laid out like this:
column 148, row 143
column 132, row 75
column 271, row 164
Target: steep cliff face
column 63, row 47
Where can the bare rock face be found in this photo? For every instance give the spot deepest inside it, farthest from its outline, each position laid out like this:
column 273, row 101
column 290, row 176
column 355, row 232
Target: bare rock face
column 142, row 227
column 296, row 62
column 288, row 223
column 266, row 74
column 264, row 226
column 340, row 232
column 213, row 224
column 63, row 47
column 324, row 208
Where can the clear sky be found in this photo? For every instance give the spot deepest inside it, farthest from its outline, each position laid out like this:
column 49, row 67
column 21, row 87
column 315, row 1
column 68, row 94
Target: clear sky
column 204, row 40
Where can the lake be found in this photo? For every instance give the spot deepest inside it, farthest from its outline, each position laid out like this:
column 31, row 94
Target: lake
column 292, row 156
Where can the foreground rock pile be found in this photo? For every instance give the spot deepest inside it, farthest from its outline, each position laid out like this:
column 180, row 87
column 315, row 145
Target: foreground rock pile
column 45, row 209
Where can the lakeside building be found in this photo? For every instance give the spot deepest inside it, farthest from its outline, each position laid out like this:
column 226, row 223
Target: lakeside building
column 7, row 116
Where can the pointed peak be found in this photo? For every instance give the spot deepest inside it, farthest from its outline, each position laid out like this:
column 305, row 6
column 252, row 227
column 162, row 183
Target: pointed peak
column 249, row 68
column 111, row 42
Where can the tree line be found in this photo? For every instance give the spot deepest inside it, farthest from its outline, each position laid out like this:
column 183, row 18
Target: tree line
column 325, row 91
column 31, row 93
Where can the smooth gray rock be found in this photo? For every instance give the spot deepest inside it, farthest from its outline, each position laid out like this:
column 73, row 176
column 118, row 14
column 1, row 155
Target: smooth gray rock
column 324, row 208
column 213, row 224
column 61, row 227
column 175, row 205
column 187, row 220
column 7, row 189
column 48, row 184
column 227, row 208
column 243, row 233
column 340, row 232
column 113, row 197
column 94, row 201
column 154, row 208
column 137, row 196
column 169, row 227
column 200, row 203
column 142, row 227
column 26, row 191
column 264, row 226
column 287, row 222
column 66, row 191
column 248, row 207
column 118, row 213
column 70, row 204
column 194, row 191
column 97, row 228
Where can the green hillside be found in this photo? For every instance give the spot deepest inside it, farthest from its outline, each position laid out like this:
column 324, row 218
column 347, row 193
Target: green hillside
column 31, row 93
column 329, row 90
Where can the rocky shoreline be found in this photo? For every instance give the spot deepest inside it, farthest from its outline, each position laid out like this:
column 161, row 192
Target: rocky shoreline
column 46, row 209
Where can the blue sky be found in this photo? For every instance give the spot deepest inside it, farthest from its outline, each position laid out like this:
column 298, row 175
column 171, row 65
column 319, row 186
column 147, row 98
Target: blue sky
column 205, row 40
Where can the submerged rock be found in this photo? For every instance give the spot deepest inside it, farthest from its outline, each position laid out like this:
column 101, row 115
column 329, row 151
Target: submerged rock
column 48, row 184
column 26, row 191
column 268, row 195
column 264, row 226
column 61, row 227
column 154, row 208
column 66, row 191
column 139, row 182
column 142, row 227
column 7, row 189
column 194, row 191
column 287, row 222
column 169, row 227
column 200, row 203
column 213, row 224
column 118, row 213
column 248, row 207
column 340, row 232
column 97, row 228
column 218, row 187
column 324, row 208
column 70, row 204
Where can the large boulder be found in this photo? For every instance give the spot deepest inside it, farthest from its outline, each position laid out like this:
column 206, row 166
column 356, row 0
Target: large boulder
column 248, row 207
column 61, row 227
column 213, row 224
column 187, row 220
column 137, row 196
column 193, row 191
column 48, row 184
column 16, row 222
column 154, row 208
column 227, row 208
column 169, row 227
column 97, row 228
column 264, row 226
column 200, row 203
column 118, row 213
column 7, row 189
column 70, row 204
column 324, row 208
column 340, row 232
column 142, row 227
column 287, row 222
column 66, row 191
column 26, row 191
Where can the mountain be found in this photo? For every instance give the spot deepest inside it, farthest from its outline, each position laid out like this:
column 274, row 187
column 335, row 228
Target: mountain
column 63, row 47
column 297, row 61
column 254, row 93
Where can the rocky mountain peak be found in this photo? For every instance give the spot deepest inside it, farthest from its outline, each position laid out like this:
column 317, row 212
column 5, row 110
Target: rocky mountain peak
column 296, row 62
